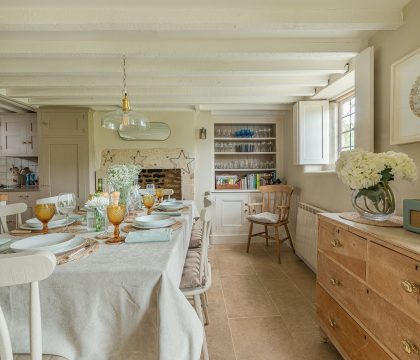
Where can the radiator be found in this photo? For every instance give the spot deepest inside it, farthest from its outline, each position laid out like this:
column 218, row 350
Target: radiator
column 307, row 233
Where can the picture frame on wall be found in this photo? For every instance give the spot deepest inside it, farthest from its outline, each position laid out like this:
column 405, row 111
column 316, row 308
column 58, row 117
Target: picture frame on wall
column 405, row 100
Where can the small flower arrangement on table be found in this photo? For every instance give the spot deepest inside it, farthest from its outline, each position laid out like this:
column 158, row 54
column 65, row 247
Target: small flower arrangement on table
column 369, row 174
column 122, row 178
column 98, row 204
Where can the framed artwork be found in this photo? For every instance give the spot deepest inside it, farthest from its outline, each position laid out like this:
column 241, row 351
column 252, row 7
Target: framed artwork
column 405, row 99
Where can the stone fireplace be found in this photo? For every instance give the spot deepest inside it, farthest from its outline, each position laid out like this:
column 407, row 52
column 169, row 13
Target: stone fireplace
column 169, row 168
column 163, row 178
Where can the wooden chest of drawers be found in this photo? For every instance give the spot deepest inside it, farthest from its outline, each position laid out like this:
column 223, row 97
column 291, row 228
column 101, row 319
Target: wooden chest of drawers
column 368, row 289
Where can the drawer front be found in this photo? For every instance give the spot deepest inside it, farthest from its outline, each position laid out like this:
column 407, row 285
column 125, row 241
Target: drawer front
column 396, row 276
column 346, row 288
column 347, row 248
column 342, row 329
column 398, row 332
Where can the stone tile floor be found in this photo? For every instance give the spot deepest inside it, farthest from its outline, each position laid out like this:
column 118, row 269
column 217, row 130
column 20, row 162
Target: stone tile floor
column 260, row 310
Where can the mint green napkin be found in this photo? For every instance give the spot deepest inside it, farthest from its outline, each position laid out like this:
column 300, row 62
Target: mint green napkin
column 152, row 235
column 169, row 213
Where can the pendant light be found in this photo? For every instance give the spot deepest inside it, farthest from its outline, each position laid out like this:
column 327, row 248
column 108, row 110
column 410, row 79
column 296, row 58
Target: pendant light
column 125, row 118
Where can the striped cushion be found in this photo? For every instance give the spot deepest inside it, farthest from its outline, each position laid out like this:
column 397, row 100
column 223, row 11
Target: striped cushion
column 191, row 273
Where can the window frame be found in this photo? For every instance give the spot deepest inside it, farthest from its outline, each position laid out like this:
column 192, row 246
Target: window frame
column 346, row 98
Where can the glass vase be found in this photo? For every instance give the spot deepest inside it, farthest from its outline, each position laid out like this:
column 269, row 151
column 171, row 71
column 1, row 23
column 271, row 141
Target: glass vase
column 375, row 203
column 100, row 219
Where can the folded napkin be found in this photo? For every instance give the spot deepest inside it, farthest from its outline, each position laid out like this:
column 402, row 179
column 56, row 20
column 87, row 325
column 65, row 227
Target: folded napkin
column 153, row 235
column 169, row 213
column 265, row 217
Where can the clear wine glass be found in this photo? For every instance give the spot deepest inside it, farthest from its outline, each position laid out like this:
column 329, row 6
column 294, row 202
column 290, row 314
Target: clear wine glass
column 66, row 203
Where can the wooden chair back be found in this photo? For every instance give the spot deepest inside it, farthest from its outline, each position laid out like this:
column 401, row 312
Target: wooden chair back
column 11, row 209
column 24, row 268
column 276, row 199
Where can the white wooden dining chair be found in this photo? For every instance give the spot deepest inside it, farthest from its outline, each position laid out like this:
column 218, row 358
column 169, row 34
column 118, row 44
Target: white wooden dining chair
column 167, row 193
column 9, row 210
column 196, row 276
column 24, row 268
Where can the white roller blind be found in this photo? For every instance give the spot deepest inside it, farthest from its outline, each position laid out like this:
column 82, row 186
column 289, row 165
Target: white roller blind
column 364, row 100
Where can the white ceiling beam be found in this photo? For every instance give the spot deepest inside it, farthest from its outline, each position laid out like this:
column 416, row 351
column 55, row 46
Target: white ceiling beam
column 191, row 18
column 136, row 102
column 146, row 81
column 245, row 107
column 183, row 48
column 162, row 91
column 92, row 66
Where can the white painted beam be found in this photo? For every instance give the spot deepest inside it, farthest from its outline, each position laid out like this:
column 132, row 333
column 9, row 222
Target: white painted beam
column 147, row 81
column 136, row 102
column 193, row 18
column 161, row 91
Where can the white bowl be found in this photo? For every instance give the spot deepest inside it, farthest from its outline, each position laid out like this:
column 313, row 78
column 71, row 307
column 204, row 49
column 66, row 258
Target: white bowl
column 56, row 220
column 48, row 242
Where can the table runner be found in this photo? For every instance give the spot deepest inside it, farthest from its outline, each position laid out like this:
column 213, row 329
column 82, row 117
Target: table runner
column 121, row 302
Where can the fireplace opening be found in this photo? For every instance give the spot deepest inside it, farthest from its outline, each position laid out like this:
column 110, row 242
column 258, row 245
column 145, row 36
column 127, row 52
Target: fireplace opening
column 163, row 178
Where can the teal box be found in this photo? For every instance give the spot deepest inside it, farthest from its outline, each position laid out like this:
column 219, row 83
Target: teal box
column 411, row 215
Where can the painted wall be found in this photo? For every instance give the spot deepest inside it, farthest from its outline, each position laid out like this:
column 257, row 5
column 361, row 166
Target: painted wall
column 324, row 189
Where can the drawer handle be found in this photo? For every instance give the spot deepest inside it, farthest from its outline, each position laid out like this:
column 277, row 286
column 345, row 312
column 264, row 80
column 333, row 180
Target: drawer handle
column 332, row 323
column 409, row 347
column 335, row 282
column 410, row 286
column 336, row 243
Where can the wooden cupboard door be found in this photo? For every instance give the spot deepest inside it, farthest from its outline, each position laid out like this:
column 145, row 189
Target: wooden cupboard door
column 65, row 122
column 13, row 137
column 346, row 248
column 64, row 166
column 344, row 331
column 31, row 137
column 230, row 213
column 396, row 276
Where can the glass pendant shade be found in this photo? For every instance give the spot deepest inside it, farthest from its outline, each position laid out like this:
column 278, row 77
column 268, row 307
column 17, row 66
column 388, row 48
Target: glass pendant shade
column 125, row 118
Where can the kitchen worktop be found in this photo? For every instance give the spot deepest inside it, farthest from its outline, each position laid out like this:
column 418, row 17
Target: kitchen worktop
column 19, row 189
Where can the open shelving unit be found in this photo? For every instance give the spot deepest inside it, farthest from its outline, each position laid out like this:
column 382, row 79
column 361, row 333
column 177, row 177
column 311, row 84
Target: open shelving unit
column 244, row 155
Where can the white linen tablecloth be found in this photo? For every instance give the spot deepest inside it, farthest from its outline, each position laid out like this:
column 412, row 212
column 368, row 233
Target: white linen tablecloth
column 122, row 303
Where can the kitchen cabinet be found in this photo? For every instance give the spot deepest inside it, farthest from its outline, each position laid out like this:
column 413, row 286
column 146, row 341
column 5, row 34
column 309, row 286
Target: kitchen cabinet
column 18, row 135
column 66, row 154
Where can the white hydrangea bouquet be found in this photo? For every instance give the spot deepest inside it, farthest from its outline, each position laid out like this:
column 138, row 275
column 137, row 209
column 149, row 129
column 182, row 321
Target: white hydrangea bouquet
column 122, row 178
column 368, row 175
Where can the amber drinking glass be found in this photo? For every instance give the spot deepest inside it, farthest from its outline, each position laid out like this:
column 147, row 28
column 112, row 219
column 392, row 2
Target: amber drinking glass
column 159, row 194
column 148, row 201
column 44, row 213
column 116, row 215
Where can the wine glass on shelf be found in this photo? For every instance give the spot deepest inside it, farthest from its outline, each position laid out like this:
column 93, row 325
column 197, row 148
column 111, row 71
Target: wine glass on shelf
column 148, row 202
column 44, row 213
column 66, row 203
column 116, row 215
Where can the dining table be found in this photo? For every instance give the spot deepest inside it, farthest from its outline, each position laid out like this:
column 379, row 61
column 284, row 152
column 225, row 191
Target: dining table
column 121, row 302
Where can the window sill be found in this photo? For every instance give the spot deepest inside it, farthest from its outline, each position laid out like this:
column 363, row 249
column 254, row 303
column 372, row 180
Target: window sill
column 319, row 169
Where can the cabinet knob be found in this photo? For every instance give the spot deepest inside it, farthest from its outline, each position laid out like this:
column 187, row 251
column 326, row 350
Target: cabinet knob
column 409, row 347
column 332, row 323
column 336, row 243
column 335, row 282
column 410, row 286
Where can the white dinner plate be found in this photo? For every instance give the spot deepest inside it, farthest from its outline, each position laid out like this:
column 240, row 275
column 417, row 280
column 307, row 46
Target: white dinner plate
column 54, row 226
column 4, row 241
column 171, row 206
column 151, row 219
column 56, row 220
column 75, row 243
column 48, row 242
column 164, row 224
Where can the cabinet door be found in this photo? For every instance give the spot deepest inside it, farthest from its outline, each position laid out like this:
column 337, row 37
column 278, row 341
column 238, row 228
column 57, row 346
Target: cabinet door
column 61, row 123
column 64, row 166
column 31, row 137
column 13, row 137
column 230, row 213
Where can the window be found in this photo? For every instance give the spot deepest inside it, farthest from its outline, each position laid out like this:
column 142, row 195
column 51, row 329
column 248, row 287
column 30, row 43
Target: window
column 346, row 118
